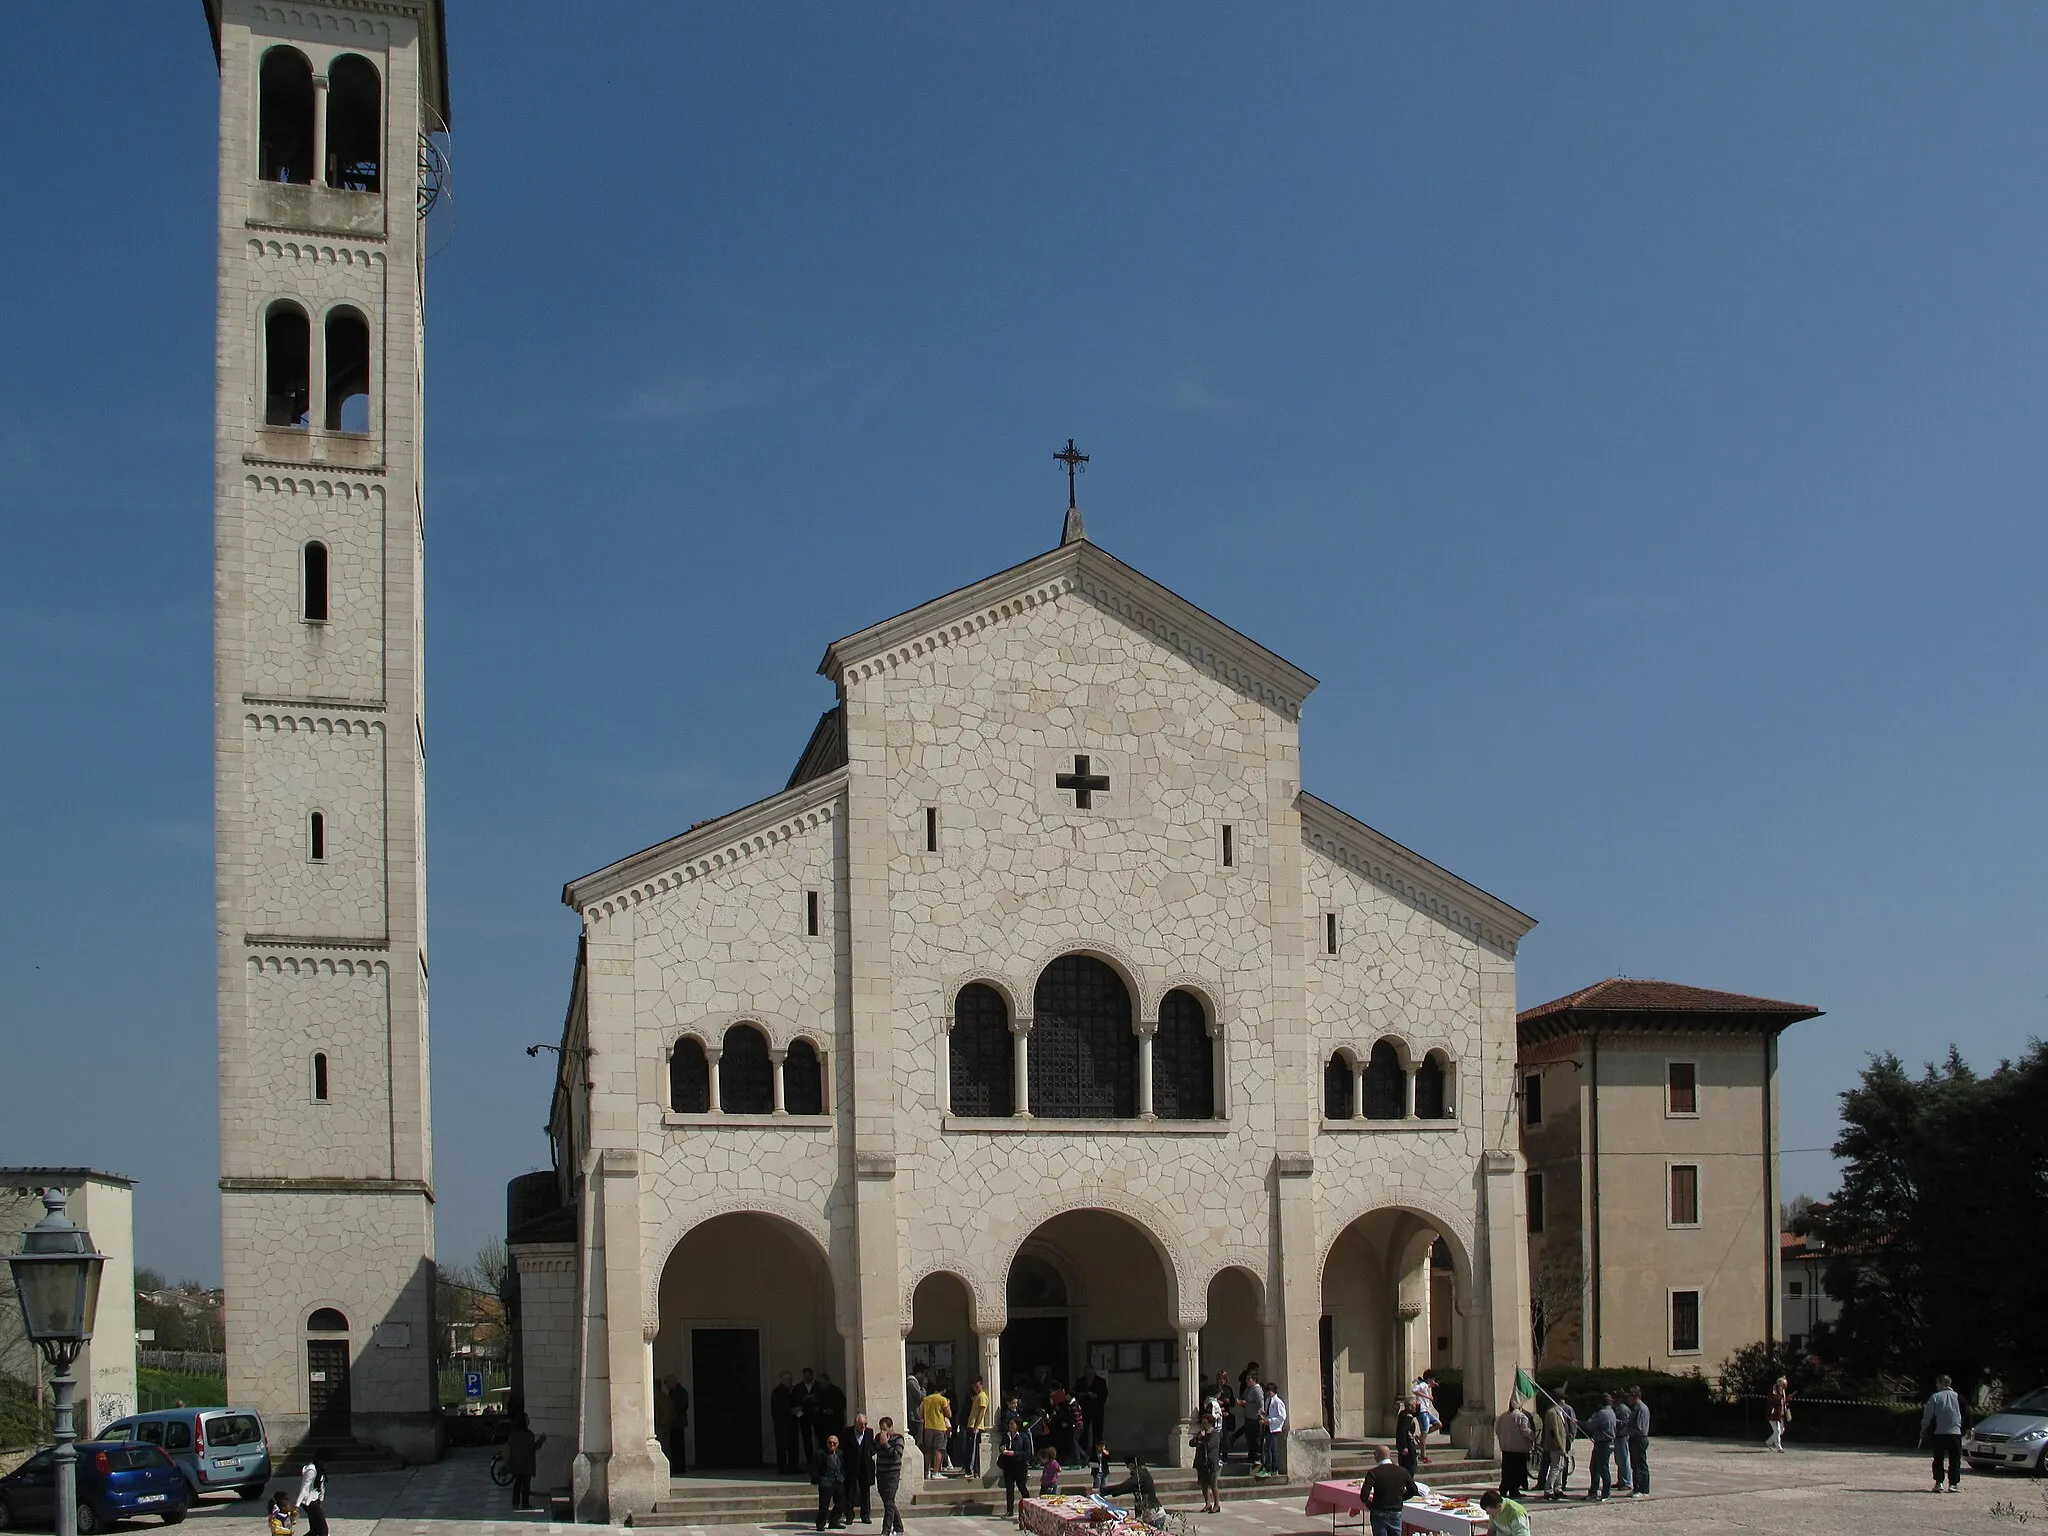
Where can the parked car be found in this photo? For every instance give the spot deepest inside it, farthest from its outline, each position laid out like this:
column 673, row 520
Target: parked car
column 116, row 1481
column 216, row 1448
column 2015, row 1437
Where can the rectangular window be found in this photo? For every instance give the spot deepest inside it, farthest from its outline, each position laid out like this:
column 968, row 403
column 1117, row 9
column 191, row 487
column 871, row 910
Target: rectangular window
column 1329, row 933
column 1682, row 1088
column 931, row 829
column 1685, row 1195
column 1532, row 1099
column 811, row 913
column 1229, row 845
column 1798, row 1287
column 1533, row 1185
column 1685, row 1322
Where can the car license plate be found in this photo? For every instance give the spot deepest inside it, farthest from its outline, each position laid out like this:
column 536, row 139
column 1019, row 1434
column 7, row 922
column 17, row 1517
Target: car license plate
column 151, row 1498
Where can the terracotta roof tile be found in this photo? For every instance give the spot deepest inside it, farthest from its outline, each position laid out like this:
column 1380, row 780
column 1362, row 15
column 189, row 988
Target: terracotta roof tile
column 1628, row 994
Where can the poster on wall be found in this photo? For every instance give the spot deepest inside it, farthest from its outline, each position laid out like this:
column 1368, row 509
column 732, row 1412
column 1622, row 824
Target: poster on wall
column 1102, row 1357
column 1159, row 1360
column 1130, row 1355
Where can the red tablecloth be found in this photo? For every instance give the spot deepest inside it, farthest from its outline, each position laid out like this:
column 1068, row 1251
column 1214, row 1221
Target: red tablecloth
column 1338, row 1496
column 1068, row 1514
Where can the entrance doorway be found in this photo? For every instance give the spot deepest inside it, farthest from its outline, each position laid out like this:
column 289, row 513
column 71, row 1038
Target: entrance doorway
column 725, row 1392
column 1031, row 1342
column 327, row 1402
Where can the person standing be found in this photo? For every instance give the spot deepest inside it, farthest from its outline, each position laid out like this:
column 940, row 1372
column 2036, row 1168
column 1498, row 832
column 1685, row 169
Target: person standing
column 889, row 1475
column 1251, row 1398
column 831, row 1406
column 313, row 1498
column 1942, row 1422
column 1208, row 1448
column 977, row 1426
column 1556, row 1442
column 1599, row 1482
column 937, row 1419
column 1638, row 1444
column 1424, row 1389
column 1515, row 1430
column 858, row 1453
column 1225, row 1396
column 1778, row 1409
column 1014, row 1459
column 803, row 1405
column 1408, row 1434
column 522, row 1459
column 782, row 1415
column 1276, row 1427
column 1388, row 1486
column 828, row 1471
column 1091, row 1392
column 678, row 1424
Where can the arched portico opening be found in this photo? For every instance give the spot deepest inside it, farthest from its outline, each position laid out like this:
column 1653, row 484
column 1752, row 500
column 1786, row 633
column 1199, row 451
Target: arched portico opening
column 940, row 1351
column 1384, row 1310
column 1235, row 1333
column 744, row 1297
column 1089, row 1288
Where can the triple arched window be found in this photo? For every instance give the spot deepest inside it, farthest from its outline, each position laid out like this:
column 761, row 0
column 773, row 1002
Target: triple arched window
column 293, row 139
column 745, row 1076
column 1084, row 1057
column 1381, row 1086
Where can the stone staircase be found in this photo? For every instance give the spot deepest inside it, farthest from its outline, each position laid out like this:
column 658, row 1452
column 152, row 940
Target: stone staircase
column 769, row 1500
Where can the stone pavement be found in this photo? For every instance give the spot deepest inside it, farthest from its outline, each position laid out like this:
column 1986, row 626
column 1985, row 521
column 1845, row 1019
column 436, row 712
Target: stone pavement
column 1700, row 1485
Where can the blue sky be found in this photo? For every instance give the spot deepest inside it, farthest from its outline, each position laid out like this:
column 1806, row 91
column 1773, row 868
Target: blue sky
column 1633, row 414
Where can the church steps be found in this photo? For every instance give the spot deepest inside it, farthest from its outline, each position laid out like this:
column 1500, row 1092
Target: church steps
column 769, row 1501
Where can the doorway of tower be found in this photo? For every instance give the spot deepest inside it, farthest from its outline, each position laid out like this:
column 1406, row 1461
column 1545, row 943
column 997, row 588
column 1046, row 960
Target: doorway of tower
column 725, row 1396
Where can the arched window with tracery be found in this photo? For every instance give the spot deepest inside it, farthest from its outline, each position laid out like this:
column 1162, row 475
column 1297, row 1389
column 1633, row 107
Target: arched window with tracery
column 1183, row 1060
column 1337, row 1087
column 1083, row 1053
column 1432, row 1088
column 689, row 1078
column 1386, row 1084
column 355, row 124
column 284, row 117
column 980, row 1059
column 746, row 1075
column 803, row 1080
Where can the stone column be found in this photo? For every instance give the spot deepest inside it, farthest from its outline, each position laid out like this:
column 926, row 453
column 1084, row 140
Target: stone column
column 711, row 1056
column 776, row 1059
column 656, row 1451
column 1146, row 1030
column 633, row 1480
column 320, row 130
column 1357, row 1089
column 1407, row 1095
column 1020, row 1041
column 1506, row 1288
column 988, row 1341
column 1180, row 1453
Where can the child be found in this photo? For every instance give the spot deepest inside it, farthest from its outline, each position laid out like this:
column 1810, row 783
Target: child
column 280, row 1516
column 1048, row 1473
column 1098, row 1469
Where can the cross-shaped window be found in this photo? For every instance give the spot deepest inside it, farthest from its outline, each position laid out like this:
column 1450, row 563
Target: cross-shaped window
column 1084, row 784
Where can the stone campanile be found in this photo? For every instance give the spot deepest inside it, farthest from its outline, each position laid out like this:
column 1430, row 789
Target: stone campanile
column 326, row 176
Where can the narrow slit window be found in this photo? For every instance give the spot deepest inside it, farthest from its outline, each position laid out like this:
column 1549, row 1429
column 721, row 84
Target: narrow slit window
column 1329, row 933
column 354, row 124
column 315, row 582
column 348, row 372
column 931, row 829
column 287, row 364
column 1534, row 1184
column 1229, row 845
column 316, row 837
column 811, row 913
column 320, row 1077
column 1532, row 1099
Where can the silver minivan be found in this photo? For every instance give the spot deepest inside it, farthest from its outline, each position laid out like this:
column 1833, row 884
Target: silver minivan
column 217, row 1449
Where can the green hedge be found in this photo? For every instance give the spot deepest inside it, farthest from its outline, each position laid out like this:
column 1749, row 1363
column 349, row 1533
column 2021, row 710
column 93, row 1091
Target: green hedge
column 23, row 1426
column 1679, row 1405
column 166, row 1389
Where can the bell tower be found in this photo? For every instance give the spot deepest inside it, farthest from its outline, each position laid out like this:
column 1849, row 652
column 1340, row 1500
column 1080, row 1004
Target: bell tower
column 327, row 170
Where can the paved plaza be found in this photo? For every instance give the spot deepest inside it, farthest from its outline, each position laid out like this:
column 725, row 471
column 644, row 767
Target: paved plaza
column 1701, row 1485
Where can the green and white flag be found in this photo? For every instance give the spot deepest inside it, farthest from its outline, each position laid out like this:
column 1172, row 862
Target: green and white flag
column 1525, row 1384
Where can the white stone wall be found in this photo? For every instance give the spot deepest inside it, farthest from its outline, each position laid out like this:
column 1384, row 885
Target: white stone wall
column 341, row 1005
column 289, row 658
column 105, row 1371
column 298, row 764
column 547, row 1338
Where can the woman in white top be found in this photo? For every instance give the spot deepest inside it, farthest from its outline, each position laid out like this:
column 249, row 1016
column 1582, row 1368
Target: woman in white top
column 313, row 1498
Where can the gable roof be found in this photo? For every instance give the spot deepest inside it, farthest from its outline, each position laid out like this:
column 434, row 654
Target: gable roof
column 1631, row 1001
column 1343, row 838
column 1091, row 572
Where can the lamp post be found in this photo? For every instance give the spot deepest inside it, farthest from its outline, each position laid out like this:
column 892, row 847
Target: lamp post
column 57, row 1278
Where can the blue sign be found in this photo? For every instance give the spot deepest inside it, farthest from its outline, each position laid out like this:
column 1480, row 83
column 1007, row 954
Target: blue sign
column 472, row 1383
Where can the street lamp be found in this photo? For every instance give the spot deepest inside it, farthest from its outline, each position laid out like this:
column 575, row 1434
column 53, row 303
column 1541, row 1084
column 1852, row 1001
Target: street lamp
column 57, row 1278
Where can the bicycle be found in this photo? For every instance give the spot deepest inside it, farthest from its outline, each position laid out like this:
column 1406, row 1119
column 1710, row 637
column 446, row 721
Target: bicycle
column 501, row 1469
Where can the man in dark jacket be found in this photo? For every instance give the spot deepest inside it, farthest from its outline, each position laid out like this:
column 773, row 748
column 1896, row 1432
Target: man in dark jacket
column 1387, row 1487
column 522, row 1459
column 1638, row 1444
column 828, row 1471
column 1018, row 1452
column 831, row 1406
column 889, row 1475
column 782, row 1414
column 857, row 1453
column 1408, row 1434
column 810, row 1429
column 1138, row 1484
column 678, row 1424
column 1092, row 1393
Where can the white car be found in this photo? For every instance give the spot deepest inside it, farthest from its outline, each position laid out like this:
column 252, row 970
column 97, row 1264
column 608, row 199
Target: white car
column 2015, row 1438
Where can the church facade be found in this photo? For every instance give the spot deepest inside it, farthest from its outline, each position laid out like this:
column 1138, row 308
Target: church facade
column 1043, row 1021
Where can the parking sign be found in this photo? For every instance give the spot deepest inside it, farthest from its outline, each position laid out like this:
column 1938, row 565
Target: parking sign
column 472, row 1383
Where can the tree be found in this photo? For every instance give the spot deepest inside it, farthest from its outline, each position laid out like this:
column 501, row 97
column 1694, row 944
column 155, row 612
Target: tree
column 1936, row 1232
column 1555, row 1293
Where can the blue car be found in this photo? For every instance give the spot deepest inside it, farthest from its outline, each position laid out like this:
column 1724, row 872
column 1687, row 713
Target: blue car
column 115, row 1482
